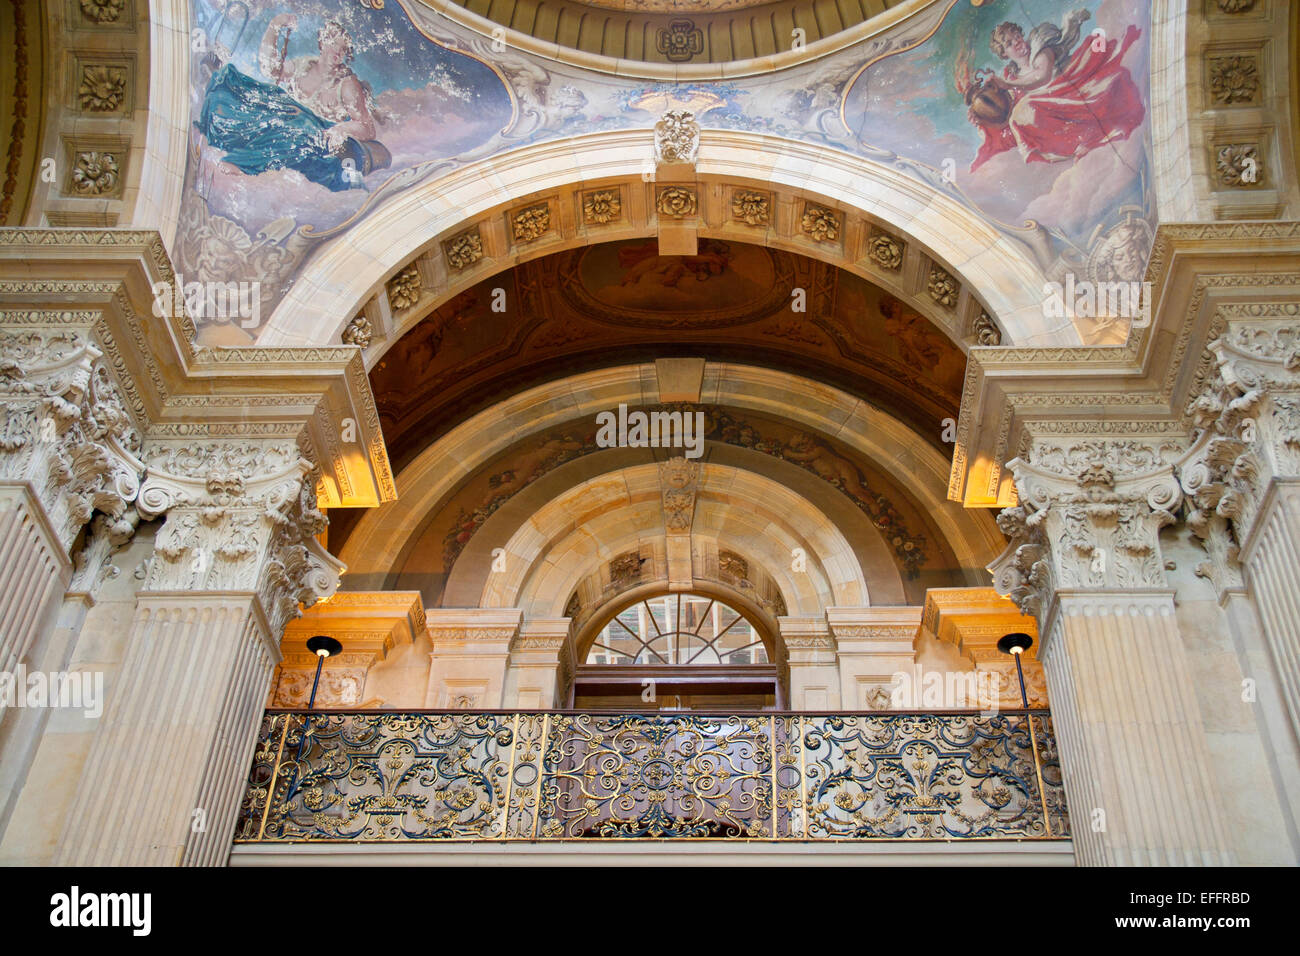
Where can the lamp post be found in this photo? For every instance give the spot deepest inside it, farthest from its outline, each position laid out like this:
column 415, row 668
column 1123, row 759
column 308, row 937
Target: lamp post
column 324, row 647
column 1015, row 645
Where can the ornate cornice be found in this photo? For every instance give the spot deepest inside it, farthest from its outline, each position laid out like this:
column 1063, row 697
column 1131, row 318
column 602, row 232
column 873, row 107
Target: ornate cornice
column 1014, row 395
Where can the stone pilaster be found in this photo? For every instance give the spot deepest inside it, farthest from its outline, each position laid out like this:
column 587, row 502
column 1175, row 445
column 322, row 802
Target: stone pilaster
column 233, row 561
column 875, row 644
column 813, row 664
column 1244, row 472
column 471, row 651
column 1085, row 559
column 536, row 656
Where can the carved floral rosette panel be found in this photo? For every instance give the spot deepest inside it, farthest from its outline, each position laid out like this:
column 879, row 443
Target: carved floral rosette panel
column 391, row 777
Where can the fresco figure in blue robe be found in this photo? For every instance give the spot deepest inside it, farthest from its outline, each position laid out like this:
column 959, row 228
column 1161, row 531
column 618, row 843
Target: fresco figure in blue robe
column 317, row 117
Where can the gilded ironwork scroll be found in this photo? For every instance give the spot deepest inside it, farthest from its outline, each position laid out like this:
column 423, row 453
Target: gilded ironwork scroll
column 391, row 777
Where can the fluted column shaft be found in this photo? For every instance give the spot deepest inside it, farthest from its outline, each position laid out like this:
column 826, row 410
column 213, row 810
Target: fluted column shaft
column 177, row 736
column 1133, row 750
column 1086, row 559
column 1271, row 559
column 34, row 572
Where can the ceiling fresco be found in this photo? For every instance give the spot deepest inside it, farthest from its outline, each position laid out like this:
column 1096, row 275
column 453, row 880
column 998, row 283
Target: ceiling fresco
column 308, row 116
column 597, row 306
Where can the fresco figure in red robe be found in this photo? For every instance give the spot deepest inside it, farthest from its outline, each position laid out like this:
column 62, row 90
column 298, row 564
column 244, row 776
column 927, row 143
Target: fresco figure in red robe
column 1052, row 104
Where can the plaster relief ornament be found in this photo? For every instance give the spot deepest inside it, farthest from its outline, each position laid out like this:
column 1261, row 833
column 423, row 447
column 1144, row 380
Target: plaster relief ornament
column 820, row 224
column 750, row 208
column 1238, row 165
column 102, row 11
column 464, row 250
column 885, row 251
column 102, row 89
column 532, row 223
column 986, row 332
column 602, row 206
column 942, row 287
column 404, row 288
column 358, row 332
column 677, row 137
column 1236, row 6
column 677, row 202
column 682, row 41
column 94, row 173
column 1233, row 79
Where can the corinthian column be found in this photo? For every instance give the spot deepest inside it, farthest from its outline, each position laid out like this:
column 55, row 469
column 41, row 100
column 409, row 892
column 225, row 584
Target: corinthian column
column 232, row 563
column 1085, row 558
column 1246, row 468
column 67, row 450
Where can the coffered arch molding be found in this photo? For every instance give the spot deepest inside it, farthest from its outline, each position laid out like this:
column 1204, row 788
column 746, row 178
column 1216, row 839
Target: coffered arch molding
column 348, row 276
column 383, row 536
column 749, row 513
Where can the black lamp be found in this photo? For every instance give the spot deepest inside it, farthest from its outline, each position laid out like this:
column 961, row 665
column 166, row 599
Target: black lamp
column 324, row 647
column 1015, row 645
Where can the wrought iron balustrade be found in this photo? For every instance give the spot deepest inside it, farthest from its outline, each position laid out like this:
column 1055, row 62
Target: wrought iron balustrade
column 470, row 775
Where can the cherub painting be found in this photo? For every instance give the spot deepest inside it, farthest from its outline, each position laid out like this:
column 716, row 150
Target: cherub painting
column 315, row 116
column 1053, row 101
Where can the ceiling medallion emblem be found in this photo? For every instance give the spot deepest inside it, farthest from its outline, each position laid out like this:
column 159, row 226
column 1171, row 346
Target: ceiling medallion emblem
column 682, row 41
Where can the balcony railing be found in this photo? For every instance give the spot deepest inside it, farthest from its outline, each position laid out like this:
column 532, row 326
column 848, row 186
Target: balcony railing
column 368, row 777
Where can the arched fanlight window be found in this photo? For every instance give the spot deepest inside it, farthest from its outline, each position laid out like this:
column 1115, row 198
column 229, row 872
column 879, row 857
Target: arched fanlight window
column 678, row 629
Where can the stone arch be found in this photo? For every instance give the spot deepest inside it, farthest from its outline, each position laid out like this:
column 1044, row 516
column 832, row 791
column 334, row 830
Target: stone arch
column 998, row 275
column 382, row 537
column 552, row 551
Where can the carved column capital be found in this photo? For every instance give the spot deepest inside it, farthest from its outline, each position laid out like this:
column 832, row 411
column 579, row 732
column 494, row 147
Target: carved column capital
column 241, row 516
column 64, row 428
column 1248, row 421
column 1089, row 518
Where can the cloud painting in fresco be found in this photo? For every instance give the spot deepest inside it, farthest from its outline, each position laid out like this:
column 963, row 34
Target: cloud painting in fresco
column 301, row 109
column 1037, row 109
column 310, row 116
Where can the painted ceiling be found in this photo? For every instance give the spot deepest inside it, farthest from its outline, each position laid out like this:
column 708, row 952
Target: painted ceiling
column 596, row 306
column 309, row 116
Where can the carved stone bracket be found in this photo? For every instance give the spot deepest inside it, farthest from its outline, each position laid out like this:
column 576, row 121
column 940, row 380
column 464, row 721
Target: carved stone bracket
column 677, row 138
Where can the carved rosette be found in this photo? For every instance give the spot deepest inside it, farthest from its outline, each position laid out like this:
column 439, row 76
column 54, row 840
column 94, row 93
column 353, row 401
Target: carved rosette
column 1089, row 519
column 241, row 516
column 64, row 427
